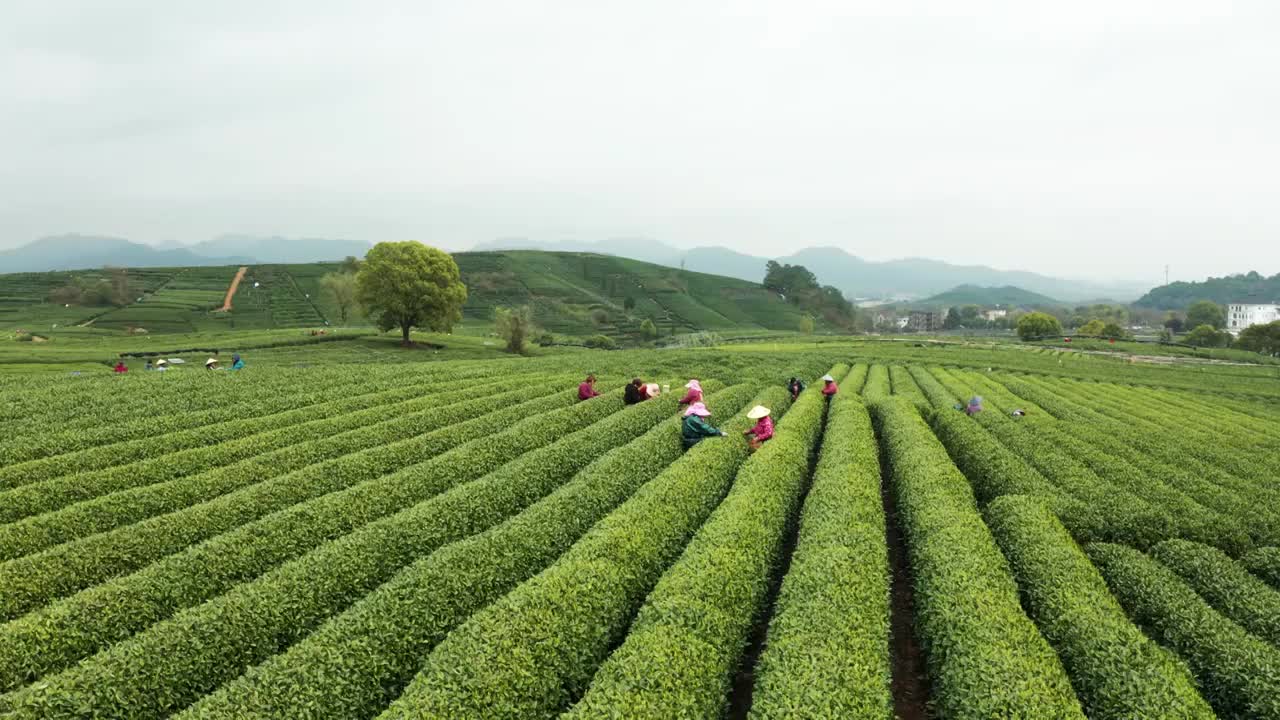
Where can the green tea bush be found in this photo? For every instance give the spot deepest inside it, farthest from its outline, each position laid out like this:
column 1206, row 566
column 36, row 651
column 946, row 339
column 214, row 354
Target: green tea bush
column 534, row 651
column 1225, row 585
column 985, row 657
column 64, row 632
column 877, row 386
column 1264, row 562
column 32, row 580
column 267, row 455
column 1116, row 671
column 828, row 648
column 173, row 663
column 710, row 597
column 1238, row 673
column 357, row 663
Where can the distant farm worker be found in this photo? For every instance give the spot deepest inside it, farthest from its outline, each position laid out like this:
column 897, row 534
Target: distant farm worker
column 1019, row 412
column 148, row 366
column 587, row 389
column 795, row 386
column 829, row 386
column 694, row 395
column 763, row 429
column 236, row 362
column 120, row 368
column 162, row 365
column 974, row 407
column 211, row 364
column 696, row 427
column 634, row 392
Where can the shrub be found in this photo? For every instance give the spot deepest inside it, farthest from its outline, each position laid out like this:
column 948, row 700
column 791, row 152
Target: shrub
column 985, row 657
column 1264, row 563
column 64, row 632
column 602, row 342
column 536, row 648
column 710, row 596
column 1225, row 585
column 1238, row 673
column 1116, row 671
column 174, row 662
column 357, row 663
column 828, row 649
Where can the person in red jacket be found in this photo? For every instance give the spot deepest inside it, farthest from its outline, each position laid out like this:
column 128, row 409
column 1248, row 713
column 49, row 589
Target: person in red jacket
column 694, row 395
column 120, row 368
column 829, row 386
column 763, row 429
column 587, row 389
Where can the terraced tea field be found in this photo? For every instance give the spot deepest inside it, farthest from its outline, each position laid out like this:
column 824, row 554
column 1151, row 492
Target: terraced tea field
column 468, row 540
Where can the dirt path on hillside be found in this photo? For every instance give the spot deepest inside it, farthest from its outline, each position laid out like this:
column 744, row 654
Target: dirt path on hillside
column 231, row 291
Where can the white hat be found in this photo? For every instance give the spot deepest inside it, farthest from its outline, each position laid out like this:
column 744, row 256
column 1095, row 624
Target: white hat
column 758, row 412
column 693, row 385
column 210, row 361
column 162, row 361
column 652, row 389
column 828, row 378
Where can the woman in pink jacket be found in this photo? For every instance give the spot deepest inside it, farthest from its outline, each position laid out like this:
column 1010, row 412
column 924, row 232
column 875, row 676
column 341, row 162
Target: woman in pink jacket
column 694, row 395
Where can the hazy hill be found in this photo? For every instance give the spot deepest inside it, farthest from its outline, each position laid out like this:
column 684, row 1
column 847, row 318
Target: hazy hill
column 276, row 249
column 854, row 276
column 1007, row 296
column 79, row 252
column 1246, row 287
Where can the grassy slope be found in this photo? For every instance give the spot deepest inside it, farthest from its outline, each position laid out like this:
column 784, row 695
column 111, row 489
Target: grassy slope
column 564, row 289
column 986, row 296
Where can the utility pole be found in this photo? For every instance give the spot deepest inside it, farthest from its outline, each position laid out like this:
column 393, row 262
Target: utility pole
column 1166, row 274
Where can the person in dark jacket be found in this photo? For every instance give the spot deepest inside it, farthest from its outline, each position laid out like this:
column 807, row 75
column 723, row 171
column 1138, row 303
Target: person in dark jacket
column 795, row 386
column 696, row 427
column 635, row 392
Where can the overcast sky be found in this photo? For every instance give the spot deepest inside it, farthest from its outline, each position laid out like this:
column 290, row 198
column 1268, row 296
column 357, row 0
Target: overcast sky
column 1090, row 138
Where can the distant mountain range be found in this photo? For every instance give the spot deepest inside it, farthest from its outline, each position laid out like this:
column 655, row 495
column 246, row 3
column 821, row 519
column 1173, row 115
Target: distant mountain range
column 895, row 279
column 1248, row 287
column 856, row 277
column 81, row 252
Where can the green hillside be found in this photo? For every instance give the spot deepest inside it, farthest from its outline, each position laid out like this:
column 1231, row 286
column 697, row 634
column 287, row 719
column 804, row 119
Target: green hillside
column 585, row 293
column 1248, row 287
column 575, row 294
column 988, row 296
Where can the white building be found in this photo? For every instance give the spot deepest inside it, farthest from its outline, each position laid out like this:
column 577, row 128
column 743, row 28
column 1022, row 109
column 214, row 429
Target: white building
column 1242, row 315
column 994, row 315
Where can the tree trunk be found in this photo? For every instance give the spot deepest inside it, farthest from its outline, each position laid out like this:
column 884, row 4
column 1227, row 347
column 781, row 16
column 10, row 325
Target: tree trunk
column 404, row 329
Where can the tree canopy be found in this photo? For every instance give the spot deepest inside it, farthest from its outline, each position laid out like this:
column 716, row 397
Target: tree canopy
column 1038, row 324
column 1208, row 336
column 1261, row 338
column 514, row 325
column 1206, row 312
column 408, row 285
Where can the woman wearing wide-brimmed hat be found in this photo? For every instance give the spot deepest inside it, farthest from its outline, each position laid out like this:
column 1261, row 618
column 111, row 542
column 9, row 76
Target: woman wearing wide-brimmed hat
column 763, row 429
column 211, row 364
column 694, row 395
column 829, row 386
column 696, row 427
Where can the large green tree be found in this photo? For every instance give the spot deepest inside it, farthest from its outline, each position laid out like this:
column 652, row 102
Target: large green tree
column 1038, row 324
column 514, row 325
column 1093, row 327
column 1207, row 336
column 1261, row 338
column 408, row 285
column 1206, row 312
